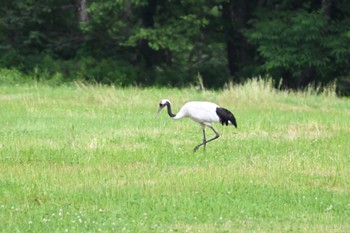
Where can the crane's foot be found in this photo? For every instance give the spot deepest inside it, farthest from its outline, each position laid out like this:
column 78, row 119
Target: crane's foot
column 197, row 147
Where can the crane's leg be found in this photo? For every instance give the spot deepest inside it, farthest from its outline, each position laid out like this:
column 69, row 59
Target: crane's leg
column 217, row 135
column 204, row 139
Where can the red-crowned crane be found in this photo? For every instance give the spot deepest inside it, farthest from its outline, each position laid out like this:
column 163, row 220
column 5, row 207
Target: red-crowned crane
column 204, row 113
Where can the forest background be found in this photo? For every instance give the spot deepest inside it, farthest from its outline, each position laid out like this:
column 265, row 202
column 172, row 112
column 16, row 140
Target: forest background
column 297, row 43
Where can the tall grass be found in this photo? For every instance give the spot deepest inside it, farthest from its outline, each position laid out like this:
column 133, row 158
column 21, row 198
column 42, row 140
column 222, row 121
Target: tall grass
column 81, row 158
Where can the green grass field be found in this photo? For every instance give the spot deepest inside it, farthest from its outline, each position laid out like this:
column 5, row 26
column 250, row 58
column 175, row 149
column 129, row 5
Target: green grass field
column 81, row 158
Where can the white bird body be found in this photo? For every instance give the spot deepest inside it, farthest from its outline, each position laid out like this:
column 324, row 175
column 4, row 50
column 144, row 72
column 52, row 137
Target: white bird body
column 204, row 113
column 199, row 111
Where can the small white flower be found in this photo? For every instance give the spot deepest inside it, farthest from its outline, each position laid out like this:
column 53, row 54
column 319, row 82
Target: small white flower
column 329, row 208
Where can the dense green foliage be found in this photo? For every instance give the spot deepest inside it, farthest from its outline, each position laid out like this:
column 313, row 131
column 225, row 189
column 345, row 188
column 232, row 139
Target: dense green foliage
column 169, row 42
column 99, row 161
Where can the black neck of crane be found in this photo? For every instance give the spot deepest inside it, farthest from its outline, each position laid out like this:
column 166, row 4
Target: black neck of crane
column 171, row 114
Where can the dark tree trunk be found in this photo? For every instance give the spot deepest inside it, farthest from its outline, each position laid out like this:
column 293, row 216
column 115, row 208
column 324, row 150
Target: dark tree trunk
column 82, row 11
column 146, row 53
column 149, row 56
column 148, row 12
column 235, row 16
column 327, row 6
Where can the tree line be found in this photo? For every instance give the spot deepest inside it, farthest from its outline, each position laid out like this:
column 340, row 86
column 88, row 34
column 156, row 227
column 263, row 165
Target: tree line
column 169, row 42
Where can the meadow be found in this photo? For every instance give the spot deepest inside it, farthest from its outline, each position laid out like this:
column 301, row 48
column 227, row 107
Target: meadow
column 90, row 158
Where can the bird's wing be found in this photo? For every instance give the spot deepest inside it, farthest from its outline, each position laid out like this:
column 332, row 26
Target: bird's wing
column 202, row 111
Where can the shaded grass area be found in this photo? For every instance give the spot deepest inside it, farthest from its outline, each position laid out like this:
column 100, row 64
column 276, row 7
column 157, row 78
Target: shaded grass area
column 94, row 159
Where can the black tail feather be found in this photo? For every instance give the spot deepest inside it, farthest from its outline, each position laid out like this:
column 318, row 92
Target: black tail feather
column 226, row 116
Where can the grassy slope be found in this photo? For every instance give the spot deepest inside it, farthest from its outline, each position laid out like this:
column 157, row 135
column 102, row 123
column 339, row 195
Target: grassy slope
column 91, row 159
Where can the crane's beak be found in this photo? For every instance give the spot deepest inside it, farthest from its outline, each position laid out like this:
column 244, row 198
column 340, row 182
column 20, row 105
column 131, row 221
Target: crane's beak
column 159, row 109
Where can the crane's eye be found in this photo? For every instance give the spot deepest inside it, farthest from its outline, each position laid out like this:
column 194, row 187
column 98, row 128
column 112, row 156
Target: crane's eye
column 160, row 105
